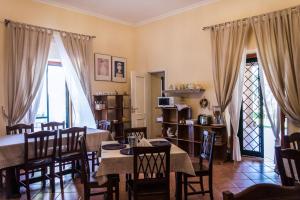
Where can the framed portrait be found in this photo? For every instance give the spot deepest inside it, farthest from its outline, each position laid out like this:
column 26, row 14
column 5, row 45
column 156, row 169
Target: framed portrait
column 102, row 67
column 118, row 69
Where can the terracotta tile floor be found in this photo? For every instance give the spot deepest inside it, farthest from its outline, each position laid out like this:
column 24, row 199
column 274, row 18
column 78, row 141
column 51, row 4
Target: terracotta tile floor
column 227, row 176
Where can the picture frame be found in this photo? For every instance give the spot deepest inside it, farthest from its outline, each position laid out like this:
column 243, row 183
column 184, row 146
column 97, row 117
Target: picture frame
column 102, row 67
column 119, row 66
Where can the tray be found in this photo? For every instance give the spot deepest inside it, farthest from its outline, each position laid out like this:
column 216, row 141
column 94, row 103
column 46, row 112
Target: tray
column 160, row 143
column 113, row 146
column 127, row 151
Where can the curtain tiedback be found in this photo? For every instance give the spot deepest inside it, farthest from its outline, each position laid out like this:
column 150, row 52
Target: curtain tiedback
column 278, row 39
column 228, row 45
column 79, row 49
column 27, row 53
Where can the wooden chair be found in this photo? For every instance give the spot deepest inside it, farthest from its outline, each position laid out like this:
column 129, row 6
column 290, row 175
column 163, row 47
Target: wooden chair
column 53, row 126
column 151, row 173
column 292, row 141
column 288, row 162
column 39, row 153
column 69, row 151
column 19, row 129
column 139, row 132
column 103, row 125
column 202, row 169
column 265, row 192
column 90, row 182
column 13, row 130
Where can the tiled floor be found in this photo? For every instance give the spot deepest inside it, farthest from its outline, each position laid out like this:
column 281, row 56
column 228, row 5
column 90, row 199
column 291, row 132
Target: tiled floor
column 228, row 176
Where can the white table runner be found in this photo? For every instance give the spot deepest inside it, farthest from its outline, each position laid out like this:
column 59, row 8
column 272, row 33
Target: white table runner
column 113, row 162
column 12, row 146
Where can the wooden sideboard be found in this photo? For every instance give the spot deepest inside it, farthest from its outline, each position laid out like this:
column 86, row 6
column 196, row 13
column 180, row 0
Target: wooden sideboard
column 188, row 137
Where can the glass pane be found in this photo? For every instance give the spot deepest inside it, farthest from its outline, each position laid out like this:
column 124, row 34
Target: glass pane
column 57, row 93
column 42, row 114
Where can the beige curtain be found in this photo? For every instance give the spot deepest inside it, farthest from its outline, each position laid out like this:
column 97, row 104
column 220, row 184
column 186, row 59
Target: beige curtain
column 79, row 50
column 278, row 39
column 27, row 53
column 228, row 45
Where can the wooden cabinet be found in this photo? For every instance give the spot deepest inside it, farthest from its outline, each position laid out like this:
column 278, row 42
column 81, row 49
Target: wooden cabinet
column 187, row 136
column 114, row 108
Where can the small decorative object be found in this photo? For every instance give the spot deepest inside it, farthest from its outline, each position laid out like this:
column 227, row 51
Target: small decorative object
column 118, row 69
column 102, row 67
column 217, row 115
column 97, row 105
column 203, row 103
column 132, row 141
column 171, row 87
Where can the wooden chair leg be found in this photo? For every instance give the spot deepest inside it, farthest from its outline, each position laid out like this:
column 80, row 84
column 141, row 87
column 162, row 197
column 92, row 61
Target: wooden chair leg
column 61, row 180
column 43, row 173
column 1, row 179
column 93, row 161
column 52, row 180
column 201, row 185
column 185, row 187
column 86, row 193
column 129, row 194
column 73, row 167
column 27, row 185
column 211, row 187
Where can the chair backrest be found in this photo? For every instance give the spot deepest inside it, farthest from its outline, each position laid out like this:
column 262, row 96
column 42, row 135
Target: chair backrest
column 139, row 132
column 152, row 166
column 53, row 126
column 19, row 129
column 292, row 141
column 85, row 167
column 40, row 145
column 104, row 125
column 68, row 141
column 288, row 162
column 264, row 192
column 207, row 149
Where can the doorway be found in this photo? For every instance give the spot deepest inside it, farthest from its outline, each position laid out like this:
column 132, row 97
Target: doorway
column 157, row 82
column 251, row 132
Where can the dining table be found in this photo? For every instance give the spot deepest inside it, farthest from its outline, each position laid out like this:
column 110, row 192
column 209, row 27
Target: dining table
column 114, row 162
column 12, row 155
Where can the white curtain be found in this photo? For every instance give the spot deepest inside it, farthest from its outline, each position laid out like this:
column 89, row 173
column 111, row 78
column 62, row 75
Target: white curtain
column 228, row 45
column 83, row 115
column 271, row 106
column 27, row 49
column 235, row 111
column 277, row 36
column 79, row 50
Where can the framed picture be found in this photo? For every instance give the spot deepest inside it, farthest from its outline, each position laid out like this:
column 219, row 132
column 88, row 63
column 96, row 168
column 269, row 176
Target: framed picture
column 102, row 67
column 118, row 69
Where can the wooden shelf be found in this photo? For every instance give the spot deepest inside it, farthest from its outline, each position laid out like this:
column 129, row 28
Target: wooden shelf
column 190, row 135
column 185, row 92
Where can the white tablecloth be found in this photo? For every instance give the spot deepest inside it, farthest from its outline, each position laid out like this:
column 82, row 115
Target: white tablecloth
column 113, row 162
column 12, row 146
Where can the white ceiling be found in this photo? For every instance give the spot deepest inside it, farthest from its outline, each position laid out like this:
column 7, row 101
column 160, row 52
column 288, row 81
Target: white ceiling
column 133, row 12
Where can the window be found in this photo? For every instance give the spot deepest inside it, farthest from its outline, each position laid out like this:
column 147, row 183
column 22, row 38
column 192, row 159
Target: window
column 54, row 103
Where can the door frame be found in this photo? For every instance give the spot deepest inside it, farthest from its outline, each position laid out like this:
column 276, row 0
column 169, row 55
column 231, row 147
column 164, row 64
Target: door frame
column 149, row 105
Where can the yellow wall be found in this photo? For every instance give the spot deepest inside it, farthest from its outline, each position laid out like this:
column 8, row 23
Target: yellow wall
column 180, row 46
column 176, row 44
column 112, row 38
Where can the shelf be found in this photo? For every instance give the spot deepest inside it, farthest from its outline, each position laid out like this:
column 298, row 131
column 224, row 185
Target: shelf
column 113, row 108
column 185, row 92
column 172, row 123
column 112, row 95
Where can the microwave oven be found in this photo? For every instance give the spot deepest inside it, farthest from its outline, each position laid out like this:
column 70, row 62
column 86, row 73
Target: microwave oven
column 165, row 102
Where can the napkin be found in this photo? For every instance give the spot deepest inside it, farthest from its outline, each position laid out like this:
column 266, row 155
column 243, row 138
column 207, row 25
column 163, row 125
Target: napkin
column 144, row 143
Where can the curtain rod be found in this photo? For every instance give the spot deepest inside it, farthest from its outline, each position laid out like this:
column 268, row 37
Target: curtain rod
column 7, row 21
column 246, row 18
